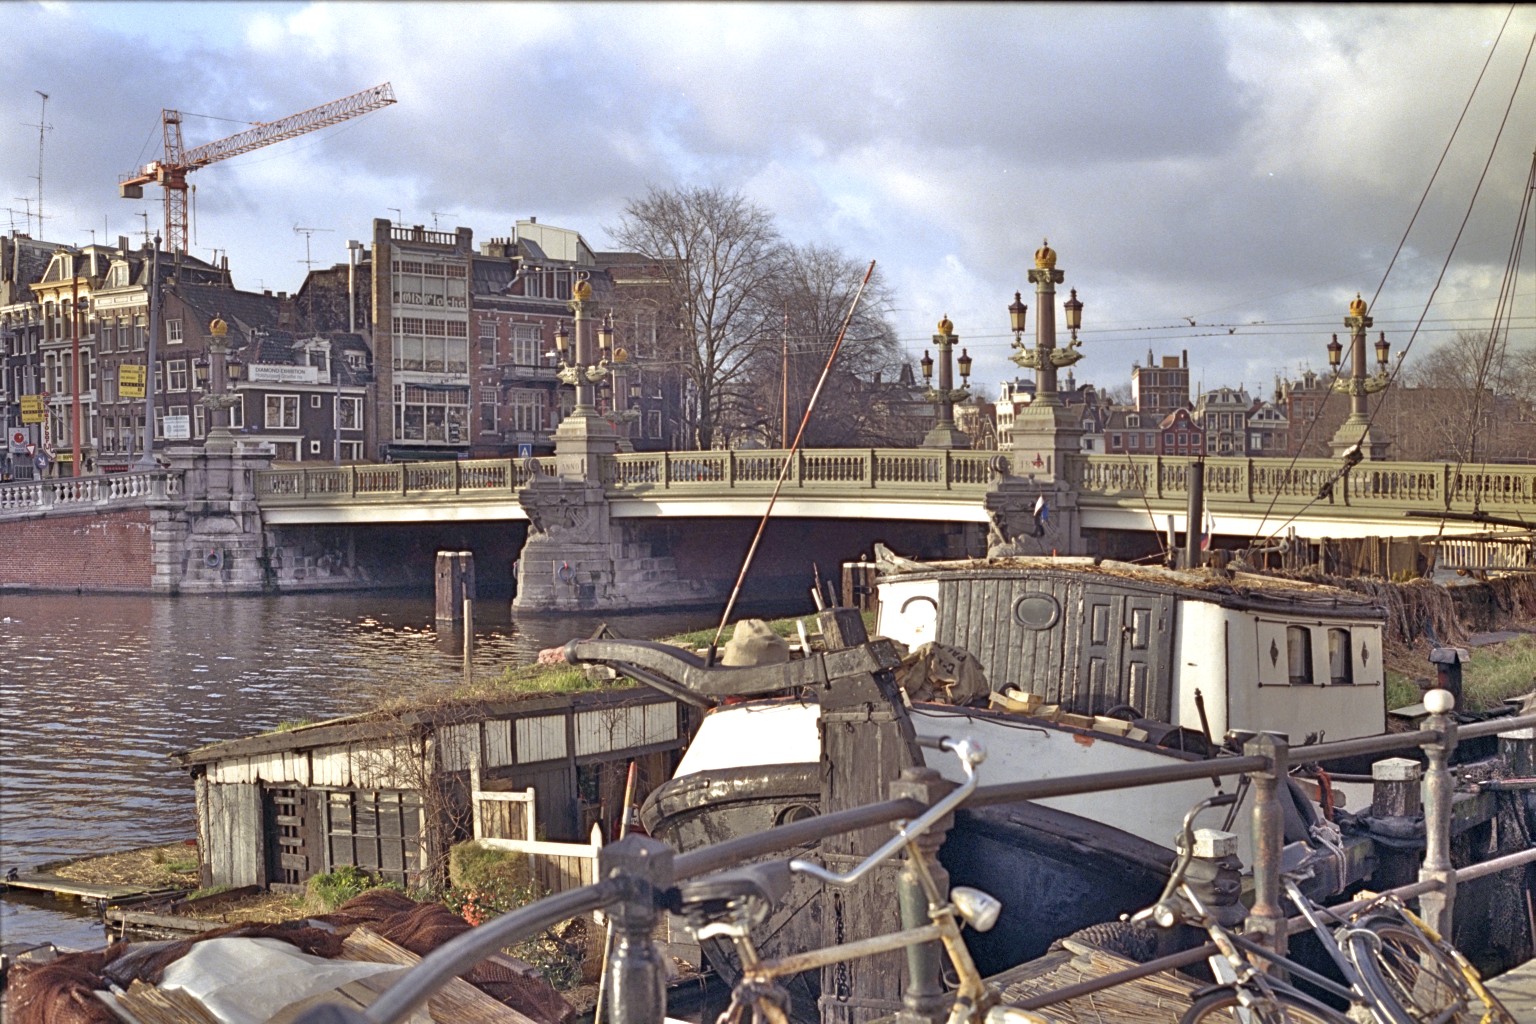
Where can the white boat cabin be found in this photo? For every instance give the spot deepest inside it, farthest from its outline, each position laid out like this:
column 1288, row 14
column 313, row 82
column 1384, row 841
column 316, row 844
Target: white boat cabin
column 1261, row 653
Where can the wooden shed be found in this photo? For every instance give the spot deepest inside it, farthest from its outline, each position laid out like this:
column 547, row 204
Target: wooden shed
column 390, row 793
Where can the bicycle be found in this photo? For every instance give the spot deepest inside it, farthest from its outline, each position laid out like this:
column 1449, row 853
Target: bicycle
column 1243, row 992
column 730, row 903
column 1401, row 957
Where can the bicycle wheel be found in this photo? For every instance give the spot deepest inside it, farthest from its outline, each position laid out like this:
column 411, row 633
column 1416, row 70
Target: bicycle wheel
column 1398, row 962
column 1224, row 1006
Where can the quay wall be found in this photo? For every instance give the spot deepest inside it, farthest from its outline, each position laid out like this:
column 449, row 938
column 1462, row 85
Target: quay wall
column 106, row 551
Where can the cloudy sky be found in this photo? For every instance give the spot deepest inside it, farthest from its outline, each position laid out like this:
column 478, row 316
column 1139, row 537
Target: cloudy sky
column 1247, row 168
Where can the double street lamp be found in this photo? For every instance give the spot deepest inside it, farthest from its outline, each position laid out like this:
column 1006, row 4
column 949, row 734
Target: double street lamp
column 586, row 367
column 215, row 373
column 944, row 433
column 1045, row 358
column 1355, row 434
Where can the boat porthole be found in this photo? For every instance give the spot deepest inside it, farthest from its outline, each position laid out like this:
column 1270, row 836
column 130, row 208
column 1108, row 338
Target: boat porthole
column 794, row 812
column 1036, row 611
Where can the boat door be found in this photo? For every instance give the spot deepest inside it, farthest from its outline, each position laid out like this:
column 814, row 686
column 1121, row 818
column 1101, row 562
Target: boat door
column 1127, row 652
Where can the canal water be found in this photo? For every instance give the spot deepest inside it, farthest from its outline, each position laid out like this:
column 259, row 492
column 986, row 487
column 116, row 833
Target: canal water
column 98, row 692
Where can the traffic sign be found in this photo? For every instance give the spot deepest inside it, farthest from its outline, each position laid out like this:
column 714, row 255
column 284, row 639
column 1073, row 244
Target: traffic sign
column 525, row 451
column 18, row 440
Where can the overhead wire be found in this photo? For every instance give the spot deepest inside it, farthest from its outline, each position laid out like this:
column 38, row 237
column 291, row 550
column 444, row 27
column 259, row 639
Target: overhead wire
column 1445, row 264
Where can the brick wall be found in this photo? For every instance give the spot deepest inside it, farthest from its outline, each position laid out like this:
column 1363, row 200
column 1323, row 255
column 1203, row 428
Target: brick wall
column 101, row 552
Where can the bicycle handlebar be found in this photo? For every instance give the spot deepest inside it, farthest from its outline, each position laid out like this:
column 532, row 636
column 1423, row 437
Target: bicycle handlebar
column 971, row 753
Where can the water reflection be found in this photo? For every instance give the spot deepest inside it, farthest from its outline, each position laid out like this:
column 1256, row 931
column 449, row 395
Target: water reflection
column 97, row 692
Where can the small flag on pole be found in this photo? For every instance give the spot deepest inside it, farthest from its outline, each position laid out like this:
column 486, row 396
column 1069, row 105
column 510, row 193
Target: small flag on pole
column 1042, row 515
column 1205, row 533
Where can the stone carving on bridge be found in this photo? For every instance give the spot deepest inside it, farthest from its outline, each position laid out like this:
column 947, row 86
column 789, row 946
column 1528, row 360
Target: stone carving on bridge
column 557, row 511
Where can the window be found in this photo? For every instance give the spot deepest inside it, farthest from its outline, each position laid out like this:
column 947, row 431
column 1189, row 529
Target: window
column 1114, row 441
column 525, row 410
column 527, row 339
column 173, row 332
column 1135, row 441
column 314, row 401
column 199, row 420
column 487, row 417
column 653, row 423
column 108, row 333
column 352, row 451
column 314, row 447
column 176, row 374
column 431, row 414
column 378, row 831
column 349, row 413
column 237, row 414
column 283, row 412
column 1298, row 654
column 140, row 332
column 1341, row 666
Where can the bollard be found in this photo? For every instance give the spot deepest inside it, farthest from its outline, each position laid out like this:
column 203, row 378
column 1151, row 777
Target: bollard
column 1439, row 791
column 1395, row 788
column 636, row 978
column 1267, row 916
column 1215, row 874
column 925, row 1001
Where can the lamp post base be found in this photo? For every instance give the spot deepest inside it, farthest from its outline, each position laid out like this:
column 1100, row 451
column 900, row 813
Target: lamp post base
column 946, row 436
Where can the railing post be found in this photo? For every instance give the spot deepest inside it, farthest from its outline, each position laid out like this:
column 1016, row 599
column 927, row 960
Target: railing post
column 637, row 984
column 925, row 1001
column 1157, row 472
column 402, row 466
column 352, row 475
column 666, row 469
column 458, row 479
column 1267, row 917
column 869, row 468
column 1439, row 791
column 1248, row 478
column 730, row 469
column 1445, row 471
column 799, row 467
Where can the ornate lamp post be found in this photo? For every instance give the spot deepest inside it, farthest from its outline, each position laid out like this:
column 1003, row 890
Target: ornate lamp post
column 621, row 415
column 219, row 441
column 1357, row 431
column 77, row 305
column 1045, row 358
column 1045, row 432
column 586, row 367
column 944, row 433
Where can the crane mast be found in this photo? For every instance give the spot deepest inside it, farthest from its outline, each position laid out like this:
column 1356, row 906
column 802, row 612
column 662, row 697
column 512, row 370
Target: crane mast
column 170, row 172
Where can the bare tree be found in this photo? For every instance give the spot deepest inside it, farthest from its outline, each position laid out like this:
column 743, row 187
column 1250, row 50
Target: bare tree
column 717, row 253
column 812, row 294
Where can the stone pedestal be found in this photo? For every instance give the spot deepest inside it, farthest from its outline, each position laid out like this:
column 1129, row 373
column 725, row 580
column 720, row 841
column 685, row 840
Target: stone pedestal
column 1045, row 437
column 1030, row 516
column 1370, row 439
column 222, row 548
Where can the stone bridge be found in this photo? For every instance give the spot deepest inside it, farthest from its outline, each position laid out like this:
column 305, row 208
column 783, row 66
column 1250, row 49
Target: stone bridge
column 599, row 537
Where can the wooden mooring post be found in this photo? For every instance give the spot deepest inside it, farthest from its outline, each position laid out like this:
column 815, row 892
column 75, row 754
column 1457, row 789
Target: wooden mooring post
column 455, row 581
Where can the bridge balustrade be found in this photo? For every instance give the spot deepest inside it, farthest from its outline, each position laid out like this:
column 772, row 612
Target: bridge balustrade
column 493, row 477
column 89, row 493
column 1421, row 485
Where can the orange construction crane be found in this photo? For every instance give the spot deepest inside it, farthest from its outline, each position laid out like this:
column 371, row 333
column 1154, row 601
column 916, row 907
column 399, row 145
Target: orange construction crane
column 171, row 172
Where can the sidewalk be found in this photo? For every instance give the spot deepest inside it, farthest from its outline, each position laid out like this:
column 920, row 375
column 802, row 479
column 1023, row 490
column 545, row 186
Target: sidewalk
column 1516, row 989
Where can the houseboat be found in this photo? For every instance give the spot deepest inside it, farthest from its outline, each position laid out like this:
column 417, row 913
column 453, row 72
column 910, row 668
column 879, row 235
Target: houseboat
column 1088, row 668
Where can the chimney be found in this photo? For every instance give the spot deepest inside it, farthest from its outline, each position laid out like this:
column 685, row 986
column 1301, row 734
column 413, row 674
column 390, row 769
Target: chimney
column 122, row 243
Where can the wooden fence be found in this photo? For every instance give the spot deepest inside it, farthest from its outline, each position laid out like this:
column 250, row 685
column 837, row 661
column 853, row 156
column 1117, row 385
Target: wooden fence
column 505, row 821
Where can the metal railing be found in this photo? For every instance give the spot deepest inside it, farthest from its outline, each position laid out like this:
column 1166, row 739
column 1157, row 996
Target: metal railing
column 89, row 493
column 636, row 871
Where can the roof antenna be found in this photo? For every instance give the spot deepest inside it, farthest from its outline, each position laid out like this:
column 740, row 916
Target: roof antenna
column 43, row 127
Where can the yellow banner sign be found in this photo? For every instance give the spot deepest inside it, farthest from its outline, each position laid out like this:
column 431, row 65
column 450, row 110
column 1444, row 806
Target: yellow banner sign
column 130, row 381
column 32, row 409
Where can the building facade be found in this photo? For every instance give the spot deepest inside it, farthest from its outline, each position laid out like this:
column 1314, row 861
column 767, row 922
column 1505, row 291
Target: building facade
column 1222, row 414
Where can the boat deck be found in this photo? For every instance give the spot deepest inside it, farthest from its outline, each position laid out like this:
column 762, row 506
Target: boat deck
column 1516, row 989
